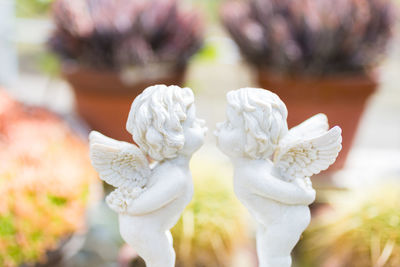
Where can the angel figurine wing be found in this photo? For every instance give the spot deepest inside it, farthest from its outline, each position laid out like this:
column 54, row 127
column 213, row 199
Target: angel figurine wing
column 303, row 158
column 312, row 127
column 120, row 164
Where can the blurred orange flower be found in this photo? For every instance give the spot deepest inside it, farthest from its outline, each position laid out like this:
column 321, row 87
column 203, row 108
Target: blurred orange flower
column 45, row 175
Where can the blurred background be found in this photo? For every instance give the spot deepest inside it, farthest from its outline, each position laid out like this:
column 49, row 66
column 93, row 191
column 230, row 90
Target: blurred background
column 70, row 66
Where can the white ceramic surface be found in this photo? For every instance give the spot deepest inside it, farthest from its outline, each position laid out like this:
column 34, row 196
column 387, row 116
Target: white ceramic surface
column 272, row 167
column 150, row 199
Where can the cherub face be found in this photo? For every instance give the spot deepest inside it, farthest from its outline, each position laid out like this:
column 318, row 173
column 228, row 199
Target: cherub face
column 230, row 134
column 194, row 131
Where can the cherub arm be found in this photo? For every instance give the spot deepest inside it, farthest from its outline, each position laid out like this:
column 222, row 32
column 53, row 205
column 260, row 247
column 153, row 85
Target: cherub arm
column 156, row 197
column 268, row 186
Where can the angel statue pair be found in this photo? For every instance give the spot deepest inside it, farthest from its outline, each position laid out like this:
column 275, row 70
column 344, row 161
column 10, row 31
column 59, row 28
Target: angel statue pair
column 272, row 166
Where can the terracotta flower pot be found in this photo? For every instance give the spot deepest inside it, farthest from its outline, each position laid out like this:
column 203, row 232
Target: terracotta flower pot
column 341, row 98
column 103, row 99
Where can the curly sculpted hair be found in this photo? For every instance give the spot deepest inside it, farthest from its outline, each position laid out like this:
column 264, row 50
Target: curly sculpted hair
column 264, row 119
column 156, row 117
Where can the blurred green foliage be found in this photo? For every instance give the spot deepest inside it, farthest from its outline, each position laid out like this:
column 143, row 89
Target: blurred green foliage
column 362, row 230
column 33, row 8
column 213, row 224
column 49, row 63
column 209, row 52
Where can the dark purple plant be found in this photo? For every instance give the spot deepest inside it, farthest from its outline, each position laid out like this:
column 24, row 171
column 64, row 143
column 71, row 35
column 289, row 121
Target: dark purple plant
column 116, row 34
column 310, row 36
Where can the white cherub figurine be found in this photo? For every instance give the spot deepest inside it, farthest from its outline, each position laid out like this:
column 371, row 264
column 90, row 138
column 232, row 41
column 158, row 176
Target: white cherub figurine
column 272, row 166
column 150, row 199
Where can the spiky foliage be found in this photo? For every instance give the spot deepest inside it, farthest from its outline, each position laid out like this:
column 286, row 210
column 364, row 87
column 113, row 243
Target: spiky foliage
column 362, row 230
column 115, row 34
column 45, row 175
column 310, row 36
column 213, row 224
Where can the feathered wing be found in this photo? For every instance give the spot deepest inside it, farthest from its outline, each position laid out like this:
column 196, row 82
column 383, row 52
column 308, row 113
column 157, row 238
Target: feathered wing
column 122, row 165
column 118, row 163
column 304, row 158
column 312, row 127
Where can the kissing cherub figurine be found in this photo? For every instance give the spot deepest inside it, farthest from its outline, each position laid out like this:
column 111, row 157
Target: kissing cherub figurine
column 272, row 166
column 150, row 199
